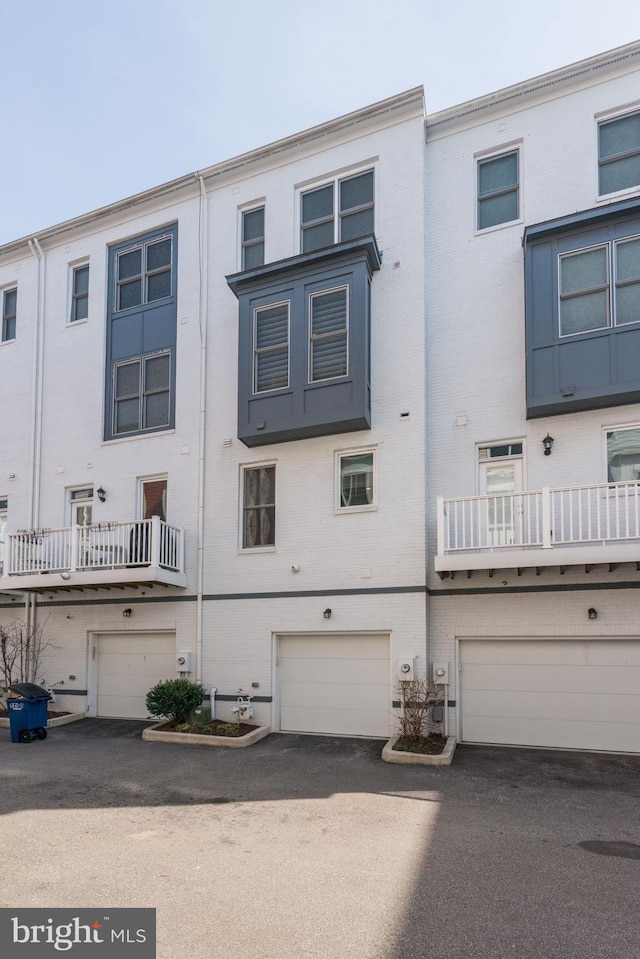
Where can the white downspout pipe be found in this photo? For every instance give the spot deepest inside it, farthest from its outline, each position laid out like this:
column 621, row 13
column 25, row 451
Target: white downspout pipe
column 202, row 436
column 36, row 414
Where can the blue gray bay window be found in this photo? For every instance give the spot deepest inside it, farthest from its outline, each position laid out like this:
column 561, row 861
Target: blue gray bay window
column 141, row 335
column 582, row 283
column 303, row 351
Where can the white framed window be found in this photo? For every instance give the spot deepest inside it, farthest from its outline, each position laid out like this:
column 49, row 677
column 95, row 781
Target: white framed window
column 328, row 334
column 623, row 454
column 619, row 154
column 337, row 211
column 152, row 492
column 355, row 480
column 271, row 347
column 498, row 189
column 79, row 293
column 141, row 393
column 258, row 506
column 253, row 238
column 143, row 273
column 4, row 508
column 9, row 313
column 599, row 286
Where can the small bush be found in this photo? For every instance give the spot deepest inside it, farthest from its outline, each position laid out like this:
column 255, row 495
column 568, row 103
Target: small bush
column 174, row 699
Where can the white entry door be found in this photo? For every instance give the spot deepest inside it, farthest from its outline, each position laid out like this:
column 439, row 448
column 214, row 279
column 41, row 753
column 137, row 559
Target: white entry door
column 500, row 482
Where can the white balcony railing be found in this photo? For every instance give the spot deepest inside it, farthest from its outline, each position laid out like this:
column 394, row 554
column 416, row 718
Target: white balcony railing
column 137, row 544
column 542, row 519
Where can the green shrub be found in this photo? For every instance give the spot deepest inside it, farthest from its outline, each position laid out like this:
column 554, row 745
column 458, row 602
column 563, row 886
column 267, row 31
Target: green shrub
column 174, row 699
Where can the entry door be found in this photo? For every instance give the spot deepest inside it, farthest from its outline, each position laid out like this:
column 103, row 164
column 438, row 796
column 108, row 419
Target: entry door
column 81, row 515
column 499, row 481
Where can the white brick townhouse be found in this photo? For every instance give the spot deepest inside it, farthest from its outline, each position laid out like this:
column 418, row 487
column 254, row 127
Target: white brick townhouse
column 212, row 444
column 533, row 319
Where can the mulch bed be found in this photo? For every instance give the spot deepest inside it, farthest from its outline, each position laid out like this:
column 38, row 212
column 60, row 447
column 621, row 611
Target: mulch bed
column 432, row 745
column 51, row 713
column 215, row 728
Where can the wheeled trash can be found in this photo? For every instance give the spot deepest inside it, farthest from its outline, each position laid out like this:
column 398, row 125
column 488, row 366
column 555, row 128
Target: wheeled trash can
column 27, row 708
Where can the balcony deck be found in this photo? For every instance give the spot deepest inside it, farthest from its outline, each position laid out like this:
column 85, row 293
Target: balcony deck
column 107, row 555
column 572, row 526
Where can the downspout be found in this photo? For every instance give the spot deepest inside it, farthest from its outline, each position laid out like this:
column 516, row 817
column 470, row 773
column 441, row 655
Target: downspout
column 203, row 224
column 36, row 417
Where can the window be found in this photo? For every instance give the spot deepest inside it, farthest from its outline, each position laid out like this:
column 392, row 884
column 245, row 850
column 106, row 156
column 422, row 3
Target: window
column 9, row 307
column 154, row 498
column 328, row 334
column 623, row 455
column 498, row 190
column 619, row 154
column 140, row 362
column 143, row 273
column 3, row 529
column 80, row 293
column 259, row 507
column 355, row 480
column 252, row 238
column 271, row 348
column 588, row 299
column 141, row 394
column 337, row 212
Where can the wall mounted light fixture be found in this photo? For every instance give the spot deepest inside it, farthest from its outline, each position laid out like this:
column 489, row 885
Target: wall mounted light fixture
column 327, row 614
column 101, row 494
column 593, row 613
column 547, row 443
column 127, row 612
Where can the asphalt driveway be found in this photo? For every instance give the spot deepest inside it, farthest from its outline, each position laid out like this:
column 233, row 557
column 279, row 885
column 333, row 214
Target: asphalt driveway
column 311, row 846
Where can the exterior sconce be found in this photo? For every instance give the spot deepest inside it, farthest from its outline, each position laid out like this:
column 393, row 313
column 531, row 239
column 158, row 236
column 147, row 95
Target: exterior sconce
column 327, row 614
column 547, row 443
column 593, row 613
column 127, row 612
column 101, row 494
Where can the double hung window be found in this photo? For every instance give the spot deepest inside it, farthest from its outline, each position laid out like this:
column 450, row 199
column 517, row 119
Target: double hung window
column 143, row 273
column 498, row 200
column 328, row 321
column 3, row 529
column 623, row 455
column 9, row 312
column 337, row 212
column 141, row 394
column 80, row 293
column 259, row 507
column 271, row 347
column 252, row 238
column 619, row 154
column 599, row 286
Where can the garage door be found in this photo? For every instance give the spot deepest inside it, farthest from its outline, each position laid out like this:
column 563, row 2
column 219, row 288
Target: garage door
column 582, row 694
column 337, row 685
column 128, row 665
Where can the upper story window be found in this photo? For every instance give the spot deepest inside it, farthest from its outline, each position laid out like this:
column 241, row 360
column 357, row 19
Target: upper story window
column 140, row 374
column 355, row 484
column 259, row 507
column 9, row 312
column 80, row 293
column 328, row 322
column 271, row 348
column 498, row 200
column 3, row 528
column 143, row 273
column 623, row 455
column 337, row 212
column 589, row 300
column 252, row 238
column 619, row 154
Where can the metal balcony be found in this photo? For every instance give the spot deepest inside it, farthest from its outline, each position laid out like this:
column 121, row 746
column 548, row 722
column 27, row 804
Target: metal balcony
column 104, row 555
column 573, row 526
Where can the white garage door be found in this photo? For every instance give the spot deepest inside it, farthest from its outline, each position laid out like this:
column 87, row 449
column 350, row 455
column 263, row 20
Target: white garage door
column 128, row 665
column 337, row 685
column 580, row 694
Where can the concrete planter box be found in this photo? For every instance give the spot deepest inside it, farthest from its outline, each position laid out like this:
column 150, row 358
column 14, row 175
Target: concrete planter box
column 54, row 721
column 157, row 735
column 391, row 755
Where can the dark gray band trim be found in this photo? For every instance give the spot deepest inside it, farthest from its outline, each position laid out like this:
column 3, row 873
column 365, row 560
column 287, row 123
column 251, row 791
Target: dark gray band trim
column 69, row 692
column 397, row 704
column 551, row 588
column 296, row 594
column 228, row 698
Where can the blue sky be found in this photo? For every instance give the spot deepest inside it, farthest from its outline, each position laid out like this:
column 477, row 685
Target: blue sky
column 105, row 99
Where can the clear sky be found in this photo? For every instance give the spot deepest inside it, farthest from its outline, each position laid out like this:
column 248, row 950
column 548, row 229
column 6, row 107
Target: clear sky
column 105, row 98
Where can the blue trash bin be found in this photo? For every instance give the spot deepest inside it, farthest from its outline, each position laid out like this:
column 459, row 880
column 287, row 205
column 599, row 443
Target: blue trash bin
column 28, row 715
